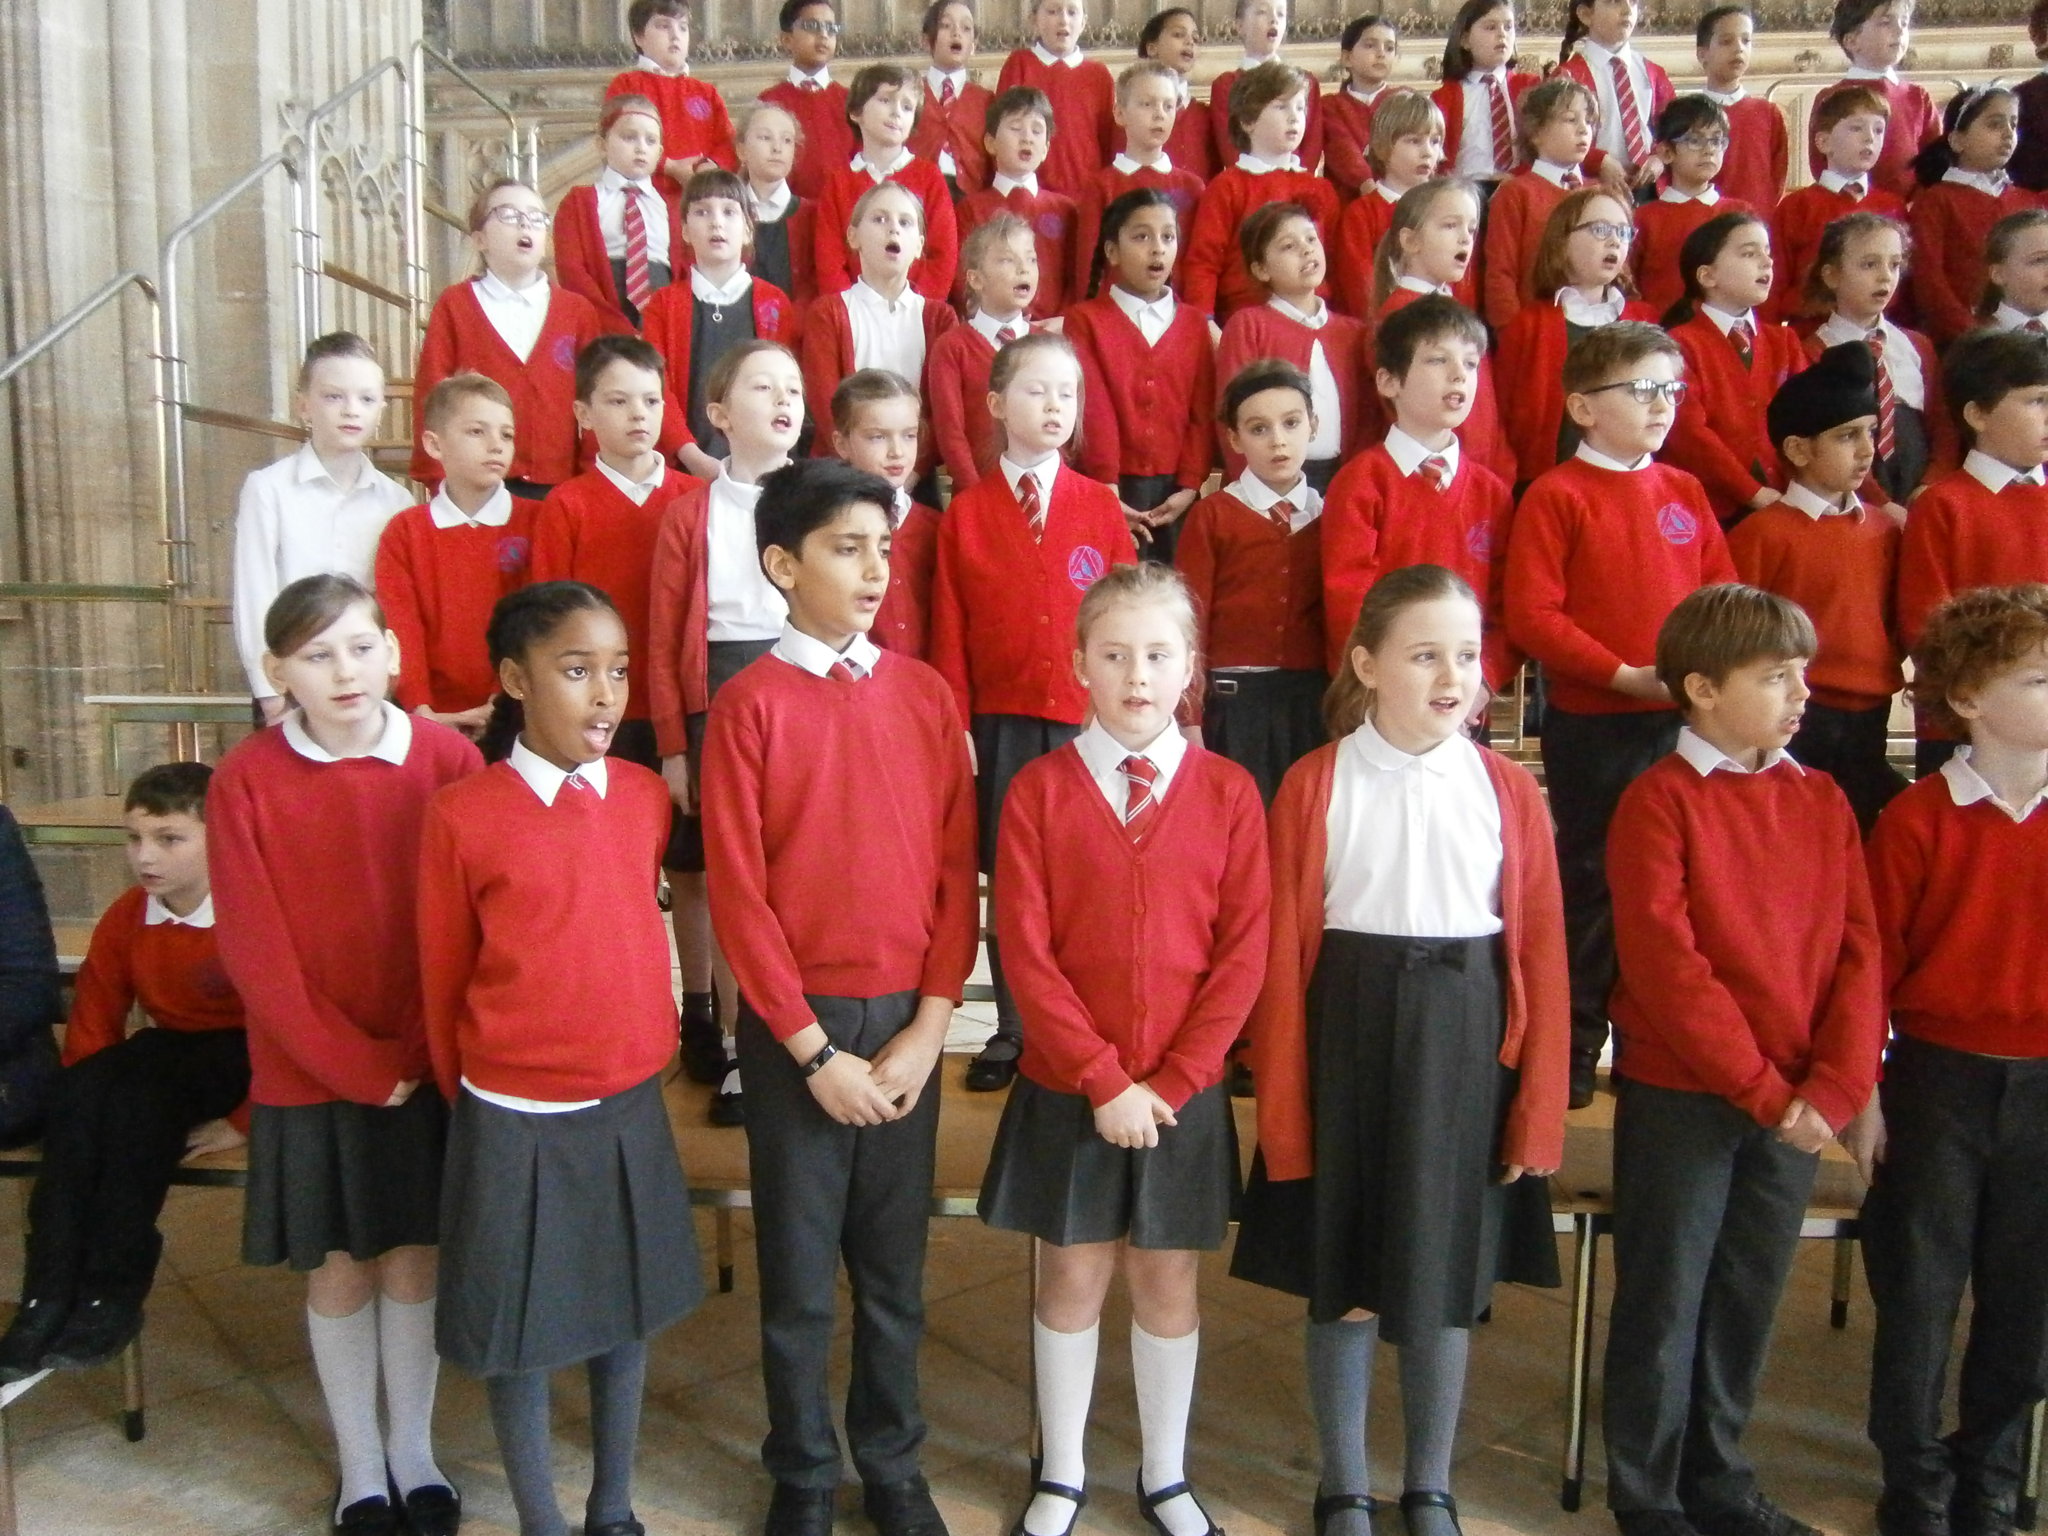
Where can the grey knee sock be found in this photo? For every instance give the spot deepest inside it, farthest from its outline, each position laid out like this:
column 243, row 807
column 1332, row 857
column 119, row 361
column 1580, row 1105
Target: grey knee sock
column 618, row 1380
column 1432, row 1391
column 1339, row 1387
column 519, row 1418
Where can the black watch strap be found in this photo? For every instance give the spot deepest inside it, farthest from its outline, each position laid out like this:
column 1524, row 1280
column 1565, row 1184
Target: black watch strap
column 812, row 1067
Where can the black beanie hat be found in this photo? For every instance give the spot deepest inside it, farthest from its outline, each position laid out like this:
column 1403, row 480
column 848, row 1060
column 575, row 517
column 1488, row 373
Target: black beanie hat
column 1839, row 385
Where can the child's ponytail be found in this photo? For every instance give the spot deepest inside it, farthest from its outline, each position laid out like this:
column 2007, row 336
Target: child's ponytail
column 520, row 621
column 1412, row 212
column 1347, row 701
column 1702, row 248
column 1574, row 29
column 1937, row 158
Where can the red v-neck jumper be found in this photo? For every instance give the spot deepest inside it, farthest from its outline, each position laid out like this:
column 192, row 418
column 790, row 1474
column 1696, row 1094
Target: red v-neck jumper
column 1531, row 351
column 1720, row 434
column 1915, row 122
column 1055, row 222
column 1083, row 98
column 1182, row 187
column 1797, row 224
column 1952, row 224
column 827, row 139
column 1262, row 331
column 437, row 587
column 960, row 129
column 1258, row 588
column 669, row 322
column 1841, row 569
column 1754, row 169
column 833, row 262
column 1960, row 535
column 1214, row 275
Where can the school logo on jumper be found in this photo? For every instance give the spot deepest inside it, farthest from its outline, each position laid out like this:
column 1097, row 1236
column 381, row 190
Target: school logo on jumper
column 1085, row 567
column 698, row 108
column 1479, row 541
column 514, row 551
column 771, row 315
column 1052, row 225
column 565, row 353
column 1677, row 523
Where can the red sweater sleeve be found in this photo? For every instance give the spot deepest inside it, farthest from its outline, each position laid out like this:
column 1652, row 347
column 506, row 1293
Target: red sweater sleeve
column 947, row 642
column 1939, row 309
column 1538, row 616
column 826, row 358
column 1278, row 1030
column 1101, row 449
column 1533, row 1134
column 945, row 369
column 437, row 360
column 398, row 595
column 1508, row 254
column 104, row 989
column 1209, row 246
column 1849, row 1036
column 450, row 940
column 1697, row 1018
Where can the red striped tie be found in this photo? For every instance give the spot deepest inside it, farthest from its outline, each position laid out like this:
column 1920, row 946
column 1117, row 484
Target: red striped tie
column 1282, row 513
column 946, row 94
column 1034, row 509
column 843, row 671
column 1887, row 406
column 1139, row 806
column 1631, row 114
column 1503, row 126
column 1743, row 339
column 1436, row 469
column 639, row 283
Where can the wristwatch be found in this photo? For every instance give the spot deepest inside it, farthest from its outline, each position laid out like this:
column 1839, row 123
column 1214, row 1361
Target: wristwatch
column 817, row 1062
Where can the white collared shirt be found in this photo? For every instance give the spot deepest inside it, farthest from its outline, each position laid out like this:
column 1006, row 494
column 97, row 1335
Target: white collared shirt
column 1389, row 191
column 635, row 491
column 1608, row 133
column 814, row 656
column 1420, row 285
column 516, row 314
column 611, row 217
column 880, row 170
column 1707, row 759
column 546, row 780
column 1161, row 162
column 1152, row 317
column 1045, row 472
column 1414, row 842
column 770, row 206
column 294, row 520
column 1725, row 322
column 935, row 80
column 1858, row 72
column 393, row 743
column 2008, row 318
column 154, row 912
column 887, row 333
column 743, row 603
column 1578, row 312
column 1995, row 474
column 820, row 77
column 644, row 63
column 1707, row 196
column 1834, row 181
column 1247, row 61
column 732, row 291
column 1724, row 98
column 1588, row 454
column 1554, row 173
column 1103, row 756
column 1072, row 59
column 1990, row 183
column 1327, row 440
column 1966, row 786
column 1901, row 358
column 496, row 511
column 1252, row 165
column 1802, row 497
column 1005, row 185
column 1408, row 454
column 1304, row 498
column 1475, row 142
column 988, row 325
column 1367, row 98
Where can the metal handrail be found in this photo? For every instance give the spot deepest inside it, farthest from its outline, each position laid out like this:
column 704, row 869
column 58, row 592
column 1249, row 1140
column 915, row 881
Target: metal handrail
column 425, row 53
column 311, row 262
column 83, row 311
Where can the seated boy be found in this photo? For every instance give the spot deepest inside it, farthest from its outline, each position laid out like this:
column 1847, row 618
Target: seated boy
column 1821, row 548
column 844, row 1005
column 1018, row 135
column 128, row 1108
column 1955, row 1145
column 442, row 567
column 1750, row 1017
column 696, row 131
column 1986, row 525
column 1602, row 549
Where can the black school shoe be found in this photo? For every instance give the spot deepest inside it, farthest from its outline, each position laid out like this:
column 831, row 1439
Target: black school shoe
column 903, row 1509
column 98, row 1329
column 729, row 1104
column 1754, row 1516
column 996, row 1067
column 626, row 1527
column 432, row 1509
column 1979, row 1510
column 703, row 1048
column 794, row 1511
column 1328, row 1504
column 1909, row 1512
column 25, row 1347
column 1585, row 1078
column 1148, row 1506
column 1430, row 1498
column 374, row 1516
column 1076, row 1496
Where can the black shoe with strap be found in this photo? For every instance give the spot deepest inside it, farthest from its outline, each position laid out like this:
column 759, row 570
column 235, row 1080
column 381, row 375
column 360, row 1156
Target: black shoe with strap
column 1328, row 1504
column 996, row 1067
column 374, row 1516
column 1148, row 1506
column 1430, row 1498
column 1076, row 1496
column 432, row 1509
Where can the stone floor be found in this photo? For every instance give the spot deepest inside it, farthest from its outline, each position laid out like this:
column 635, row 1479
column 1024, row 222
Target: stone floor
column 238, row 1443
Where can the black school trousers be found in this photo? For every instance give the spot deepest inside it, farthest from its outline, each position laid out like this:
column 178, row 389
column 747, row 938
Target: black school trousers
column 823, row 1193
column 1960, row 1200
column 1588, row 760
column 115, row 1136
column 1707, row 1210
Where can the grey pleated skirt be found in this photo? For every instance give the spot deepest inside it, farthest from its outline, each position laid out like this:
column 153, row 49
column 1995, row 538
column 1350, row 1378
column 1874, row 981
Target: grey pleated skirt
column 1003, row 744
column 563, row 1235
column 345, row 1178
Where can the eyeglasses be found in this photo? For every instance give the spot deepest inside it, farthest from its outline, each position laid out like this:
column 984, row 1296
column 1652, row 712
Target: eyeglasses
column 1645, row 391
column 1600, row 229
column 1704, row 141
column 816, row 27
column 518, row 218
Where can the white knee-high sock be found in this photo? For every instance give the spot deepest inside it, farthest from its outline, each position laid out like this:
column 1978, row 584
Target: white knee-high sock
column 1163, row 1371
column 405, row 1341
column 1065, row 1365
column 345, row 1358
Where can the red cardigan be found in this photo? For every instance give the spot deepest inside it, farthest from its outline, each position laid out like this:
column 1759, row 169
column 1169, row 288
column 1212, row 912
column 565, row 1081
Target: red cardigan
column 1531, row 351
column 832, row 260
column 1131, row 962
column 1720, row 435
column 1377, row 520
column 794, row 760
column 1347, row 136
column 460, row 337
column 1183, row 188
column 1797, row 225
column 669, row 322
column 1597, row 559
column 1661, row 92
column 1661, row 231
column 589, row 530
column 1147, row 408
column 1311, row 148
column 693, row 117
column 1961, row 536
column 1759, row 154
column 825, row 139
column 1951, row 225
column 903, row 622
column 1748, row 948
column 1213, row 271
column 1915, row 123
column 1003, row 604
column 1449, row 97
column 957, row 370
column 1083, row 98
column 315, row 872
column 581, row 265
column 1537, row 1038
column 1258, row 590
column 1514, row 230
column 1261, row 331
column 828, row 357
column 1841, row 570
column 1483, row 436
column 961, row 130
column 1958, row 895
column 437, row 587
column 1054, row 222
column 543, row 955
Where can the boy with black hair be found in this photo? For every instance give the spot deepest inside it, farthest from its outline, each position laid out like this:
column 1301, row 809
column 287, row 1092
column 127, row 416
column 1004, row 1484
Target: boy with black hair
column 1018, row 134
column 1758, row 155
column 1822, row 548
column 1874, row 35
column 127, row 1109
column 844, row 1008
column 695, row 129
column 1692, row 138
column 882, row 108
column 1985, row 525
column 808, row 31
column 1750, row 1016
